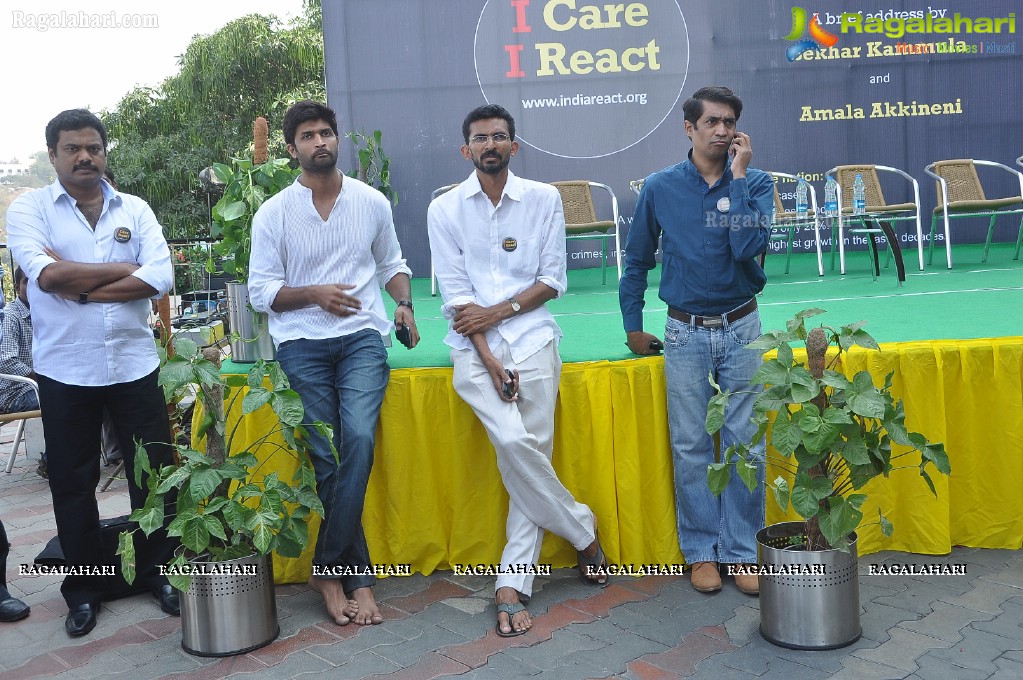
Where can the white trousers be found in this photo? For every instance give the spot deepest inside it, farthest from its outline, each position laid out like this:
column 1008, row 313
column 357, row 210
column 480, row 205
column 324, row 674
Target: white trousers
column 522, row 433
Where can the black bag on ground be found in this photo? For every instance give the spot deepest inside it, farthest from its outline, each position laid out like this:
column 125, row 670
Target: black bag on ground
column 109, row 531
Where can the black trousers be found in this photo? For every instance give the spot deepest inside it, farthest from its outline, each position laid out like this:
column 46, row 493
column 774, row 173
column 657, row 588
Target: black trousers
column 72, row 420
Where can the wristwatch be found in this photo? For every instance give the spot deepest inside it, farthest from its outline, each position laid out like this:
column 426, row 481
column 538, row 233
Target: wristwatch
column 407, row 303
column 83, row 298
column 516, row 307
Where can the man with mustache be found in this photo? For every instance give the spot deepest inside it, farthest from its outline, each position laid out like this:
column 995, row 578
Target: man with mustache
column 712, row 214
column 498, row 245
column 320, row 251
column 94, row 257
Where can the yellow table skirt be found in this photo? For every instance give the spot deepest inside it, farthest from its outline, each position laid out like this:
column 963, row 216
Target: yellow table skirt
column 435, row 497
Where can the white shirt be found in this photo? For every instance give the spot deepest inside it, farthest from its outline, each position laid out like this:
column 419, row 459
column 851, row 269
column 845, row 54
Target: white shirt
column 101, row 343
column 293, row 246
column 485, row 254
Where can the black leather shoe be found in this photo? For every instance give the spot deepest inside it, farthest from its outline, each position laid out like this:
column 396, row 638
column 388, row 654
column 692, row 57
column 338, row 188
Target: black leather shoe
column 168, row 598
column 81, row 620
column 13, row 609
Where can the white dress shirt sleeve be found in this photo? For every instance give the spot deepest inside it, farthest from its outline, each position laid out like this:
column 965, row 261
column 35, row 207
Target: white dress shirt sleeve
column 266, row 264
column 448, row 261
column 553, row 257
column 28, row 235
column 386, row 249
column 154, row 255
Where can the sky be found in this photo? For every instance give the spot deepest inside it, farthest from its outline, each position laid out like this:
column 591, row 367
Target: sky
column 52, row 63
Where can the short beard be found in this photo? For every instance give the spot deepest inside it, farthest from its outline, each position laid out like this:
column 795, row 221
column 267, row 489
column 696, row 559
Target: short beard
column 491, row 169
column 315, row 166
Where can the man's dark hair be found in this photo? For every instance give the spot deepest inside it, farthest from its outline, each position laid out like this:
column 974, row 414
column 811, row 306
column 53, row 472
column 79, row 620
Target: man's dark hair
column 486, row 112
column 109, row 174
column 73, row 119
column 303, row 112
column 19, row 274
column 693, row 107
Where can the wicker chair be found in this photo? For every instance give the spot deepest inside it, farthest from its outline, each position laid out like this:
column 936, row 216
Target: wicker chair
column 433, row 276
column 20, row 416
column 960, row 194
column 787, row 222
column 878, row 208
column 581, row 219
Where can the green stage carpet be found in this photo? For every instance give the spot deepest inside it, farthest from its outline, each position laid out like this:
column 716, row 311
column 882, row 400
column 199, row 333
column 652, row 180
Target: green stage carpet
column 972, row 300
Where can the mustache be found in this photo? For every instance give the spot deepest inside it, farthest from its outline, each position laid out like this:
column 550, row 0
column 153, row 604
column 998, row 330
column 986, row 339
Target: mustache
column 84, row 166
column 491, row 154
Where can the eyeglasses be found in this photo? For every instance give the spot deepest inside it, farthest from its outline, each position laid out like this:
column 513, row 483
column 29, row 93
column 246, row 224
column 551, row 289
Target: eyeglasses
column 498, row 137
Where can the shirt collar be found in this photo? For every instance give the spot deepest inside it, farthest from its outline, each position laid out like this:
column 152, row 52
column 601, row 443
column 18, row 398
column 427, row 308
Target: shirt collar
column 512, row 188
column 18, row 307
column 690, row 168
column 57, row 190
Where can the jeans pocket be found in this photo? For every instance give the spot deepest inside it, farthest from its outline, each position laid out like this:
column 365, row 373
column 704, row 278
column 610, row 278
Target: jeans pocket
column 744, row 331
column 676, row 333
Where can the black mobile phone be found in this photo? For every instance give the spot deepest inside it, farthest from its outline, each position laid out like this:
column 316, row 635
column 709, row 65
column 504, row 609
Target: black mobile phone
column 404, row 334
column 509, row 387
column 656, row 345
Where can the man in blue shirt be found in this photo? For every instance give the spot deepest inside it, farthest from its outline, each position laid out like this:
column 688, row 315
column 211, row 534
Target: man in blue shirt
column 713, row 214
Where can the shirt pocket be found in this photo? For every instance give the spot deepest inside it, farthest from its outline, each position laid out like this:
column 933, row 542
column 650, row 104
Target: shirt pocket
column 524, row 260
column 124, row 250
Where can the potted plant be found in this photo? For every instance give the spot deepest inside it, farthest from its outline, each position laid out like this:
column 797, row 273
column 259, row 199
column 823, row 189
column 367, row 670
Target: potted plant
column 227, row 515
column 832, row 435
column 246, row 185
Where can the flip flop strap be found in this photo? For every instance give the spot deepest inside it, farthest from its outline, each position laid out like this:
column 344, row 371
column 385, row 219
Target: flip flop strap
column 511, row 609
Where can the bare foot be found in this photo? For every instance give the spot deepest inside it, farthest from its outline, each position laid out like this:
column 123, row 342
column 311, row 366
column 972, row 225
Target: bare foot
column 340, row 609
column 368, row 612
column 521, row 621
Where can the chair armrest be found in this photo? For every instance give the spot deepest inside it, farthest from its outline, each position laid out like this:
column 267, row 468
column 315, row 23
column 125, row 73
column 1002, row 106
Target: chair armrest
column 1017, row 173
column 614, row 199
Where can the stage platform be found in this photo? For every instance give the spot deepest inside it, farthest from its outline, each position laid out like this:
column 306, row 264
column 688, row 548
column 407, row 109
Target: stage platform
column 952, row 338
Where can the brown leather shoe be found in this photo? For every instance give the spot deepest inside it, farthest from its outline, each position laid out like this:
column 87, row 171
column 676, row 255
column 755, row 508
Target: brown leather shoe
column 705, row 577
column 748, row 583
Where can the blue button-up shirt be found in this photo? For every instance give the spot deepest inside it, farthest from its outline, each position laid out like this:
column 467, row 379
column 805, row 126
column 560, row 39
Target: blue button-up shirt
column 710, row 236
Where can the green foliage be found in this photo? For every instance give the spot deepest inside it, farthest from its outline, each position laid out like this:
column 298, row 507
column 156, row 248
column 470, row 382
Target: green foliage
column 834, row 434
column 374, row 167
column 162, row 137
column 245, row 188
column 218, row 507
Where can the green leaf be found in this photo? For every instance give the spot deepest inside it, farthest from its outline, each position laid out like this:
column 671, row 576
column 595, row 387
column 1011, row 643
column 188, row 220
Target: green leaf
column 194, row 534
column 807, row 493
column 785, row 353
column 232, row 210
column 772, row 399
column 835, row 380
column 863, row 398
column 748, row 474
column 204, row 481
column 185, row 347
column 780, row 490
column 149, row 516
column 854, row 451
column 886, row 527
column 836, row 416
column 935, row 453
column 214, row 527
column 771, row 372
column 838, row 520
column 126, row 549
column 718, row 475
column 255, row 399
column 716, row 412
column 785, row 435
column 288, row 406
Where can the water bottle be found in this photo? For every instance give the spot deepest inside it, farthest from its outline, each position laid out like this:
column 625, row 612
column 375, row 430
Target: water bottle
column 801, row 205
column 859, row 196
column 831, row 197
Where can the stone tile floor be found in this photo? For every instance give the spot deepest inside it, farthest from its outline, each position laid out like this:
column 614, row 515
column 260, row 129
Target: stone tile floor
column 652, row 628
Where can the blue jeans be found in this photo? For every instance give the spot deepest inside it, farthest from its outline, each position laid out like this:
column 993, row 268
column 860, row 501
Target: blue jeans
column 341, row 382
column 712, row 528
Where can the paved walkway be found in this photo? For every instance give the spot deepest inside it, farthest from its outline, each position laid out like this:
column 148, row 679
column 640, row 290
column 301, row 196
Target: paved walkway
column 959, row 627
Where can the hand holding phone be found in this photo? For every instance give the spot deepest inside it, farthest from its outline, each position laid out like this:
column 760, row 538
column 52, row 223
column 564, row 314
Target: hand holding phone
column 509, row 388
column 404, row 335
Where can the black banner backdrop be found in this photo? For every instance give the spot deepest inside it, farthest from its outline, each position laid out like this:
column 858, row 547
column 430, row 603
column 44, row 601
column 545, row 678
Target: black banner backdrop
column 596, row 89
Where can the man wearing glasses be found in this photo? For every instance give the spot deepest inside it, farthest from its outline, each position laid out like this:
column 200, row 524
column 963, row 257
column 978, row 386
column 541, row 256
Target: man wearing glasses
column 498, row 245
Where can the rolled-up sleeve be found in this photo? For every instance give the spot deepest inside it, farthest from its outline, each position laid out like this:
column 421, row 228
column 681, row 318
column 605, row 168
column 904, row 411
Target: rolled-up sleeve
column 448, row 262
column 28, row 234
column 266, row 265
column 553, row 254
column 154, row 254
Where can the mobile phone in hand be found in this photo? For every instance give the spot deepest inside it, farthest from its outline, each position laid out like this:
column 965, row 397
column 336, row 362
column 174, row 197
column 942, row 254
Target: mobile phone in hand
column 404, row 335
column 509, row 387
column 656, row 345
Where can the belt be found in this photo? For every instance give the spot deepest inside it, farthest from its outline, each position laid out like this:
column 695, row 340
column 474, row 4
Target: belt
column 714, row 321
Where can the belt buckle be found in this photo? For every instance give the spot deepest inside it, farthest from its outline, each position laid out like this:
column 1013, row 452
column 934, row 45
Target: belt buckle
column 711, row 321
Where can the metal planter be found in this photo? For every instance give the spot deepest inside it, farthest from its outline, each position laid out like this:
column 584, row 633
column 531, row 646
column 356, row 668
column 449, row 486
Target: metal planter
column 253, row 341
column 230, row 607
column 809, row 599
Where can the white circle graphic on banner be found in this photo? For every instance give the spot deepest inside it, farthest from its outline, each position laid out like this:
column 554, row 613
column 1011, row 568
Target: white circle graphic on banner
column 582, row 80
